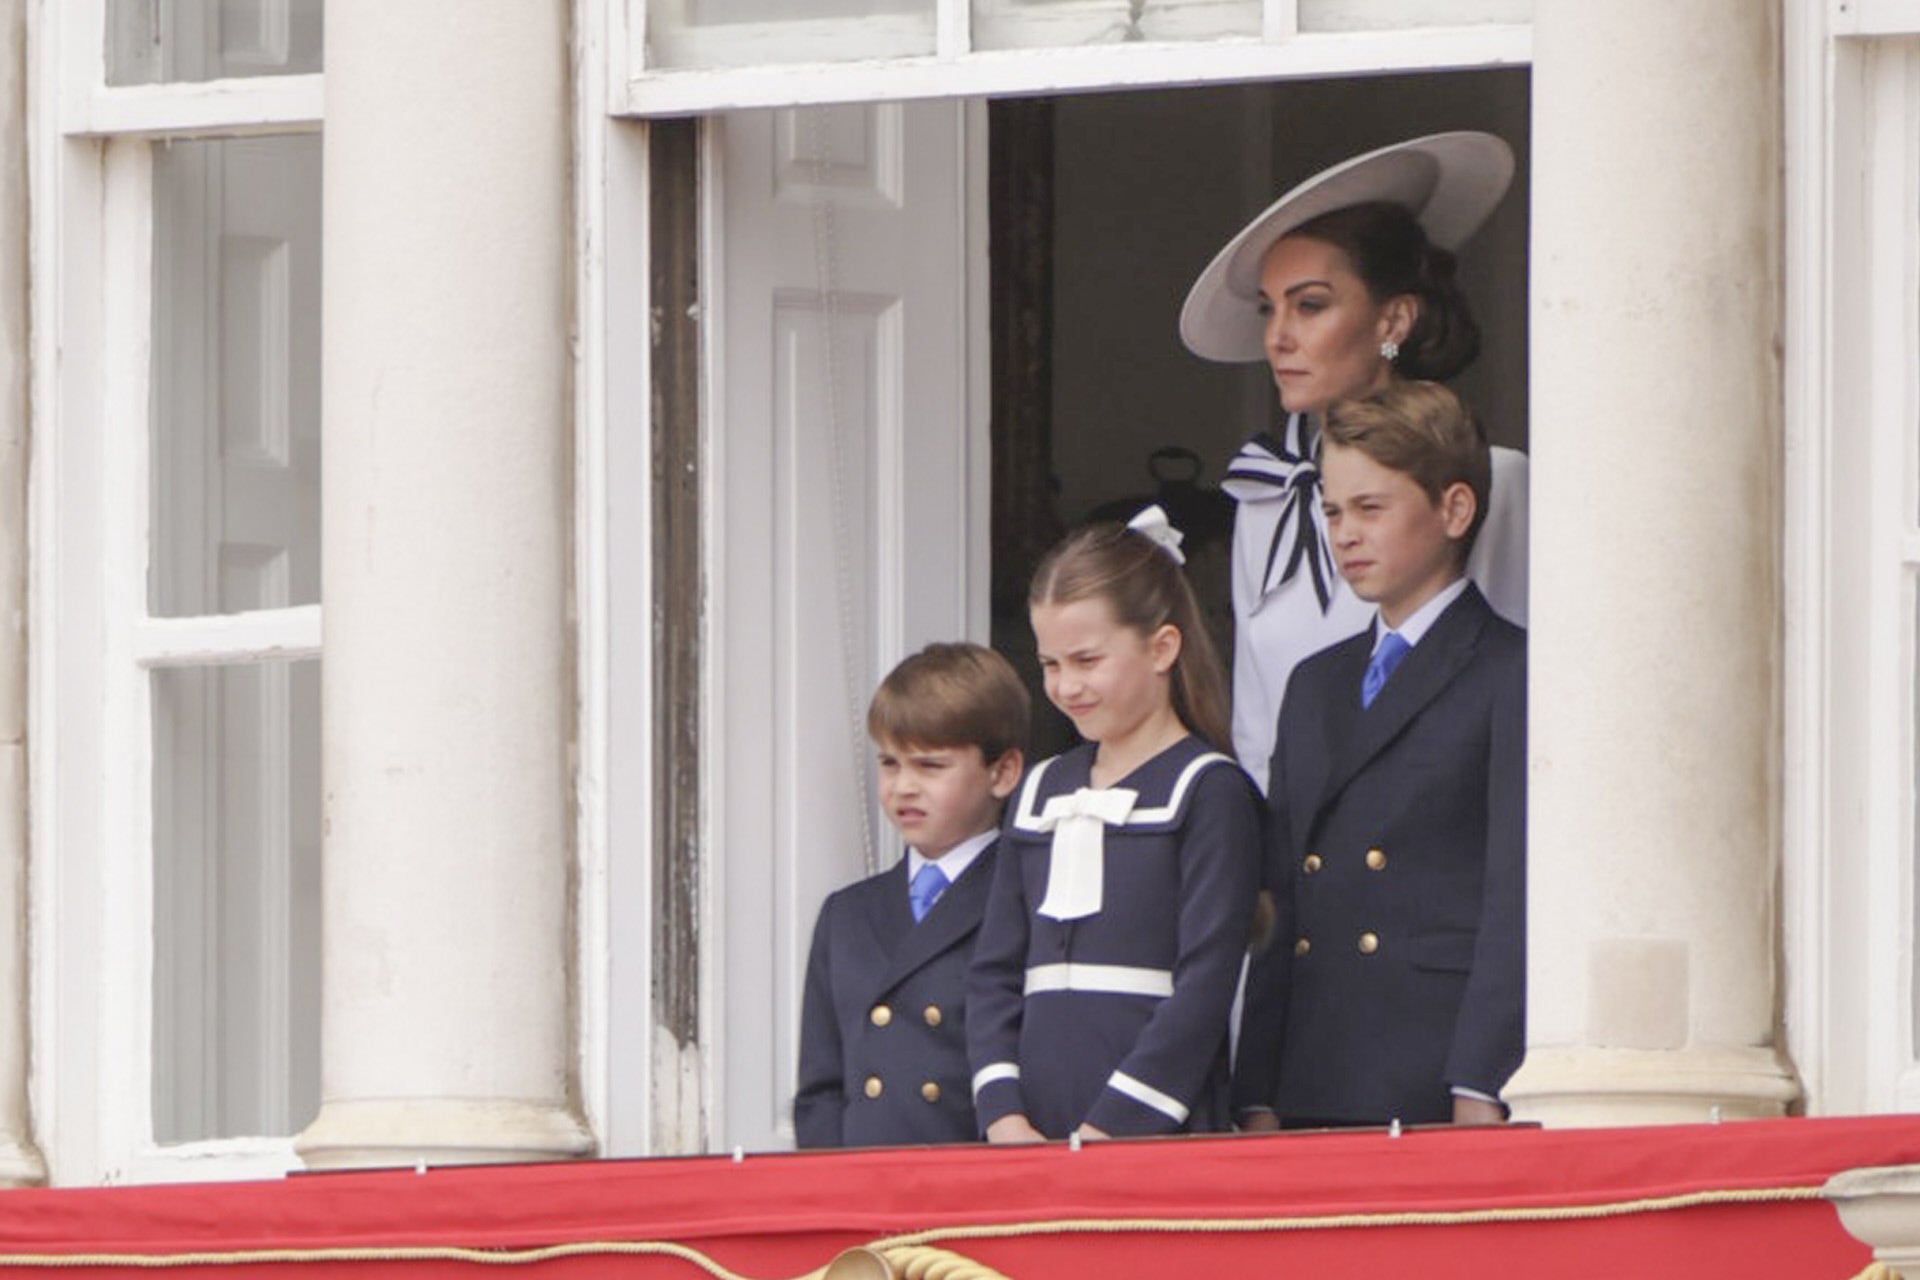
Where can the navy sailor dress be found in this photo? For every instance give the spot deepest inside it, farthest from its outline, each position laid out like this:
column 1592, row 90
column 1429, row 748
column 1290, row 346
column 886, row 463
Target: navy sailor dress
column 1117, row 1016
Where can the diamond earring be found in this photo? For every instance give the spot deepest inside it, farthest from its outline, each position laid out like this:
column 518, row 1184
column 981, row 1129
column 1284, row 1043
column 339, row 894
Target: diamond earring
column 1389, row 350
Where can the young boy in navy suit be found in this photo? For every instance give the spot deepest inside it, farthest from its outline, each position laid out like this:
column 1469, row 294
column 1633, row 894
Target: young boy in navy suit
column 883, row 1038
column 1397, row 848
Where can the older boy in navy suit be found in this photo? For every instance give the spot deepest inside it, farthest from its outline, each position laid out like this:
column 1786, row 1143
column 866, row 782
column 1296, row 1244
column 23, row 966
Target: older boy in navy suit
column 1397, row 849
column 883, row 1038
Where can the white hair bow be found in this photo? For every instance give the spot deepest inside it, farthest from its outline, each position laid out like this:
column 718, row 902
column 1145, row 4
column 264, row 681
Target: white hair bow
column 1153, row 523
column 1076, row 871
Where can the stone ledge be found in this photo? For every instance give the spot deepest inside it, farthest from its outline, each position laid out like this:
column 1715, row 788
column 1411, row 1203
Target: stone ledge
column 1881, row 1208
column 385, row 1132
column 1578, row 1087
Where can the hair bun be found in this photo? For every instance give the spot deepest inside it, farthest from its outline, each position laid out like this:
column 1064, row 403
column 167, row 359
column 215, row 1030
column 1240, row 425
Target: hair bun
column 1393, row 255
column 1445, row 339
column 1439, row 268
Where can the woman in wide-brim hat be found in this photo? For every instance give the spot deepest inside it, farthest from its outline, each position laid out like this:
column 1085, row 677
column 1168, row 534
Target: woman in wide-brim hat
column 1343, row 284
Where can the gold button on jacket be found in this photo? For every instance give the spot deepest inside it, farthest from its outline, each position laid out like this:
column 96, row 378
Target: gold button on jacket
column 933, row 1015
column 930, row 1091
column 1301, row 947
column 1311, row 863
column 873, row 1086
column 1369, row 943
column 881, row 1015
column 1376, row 859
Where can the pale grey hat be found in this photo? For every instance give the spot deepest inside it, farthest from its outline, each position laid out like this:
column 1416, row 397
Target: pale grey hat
column 1450, row 182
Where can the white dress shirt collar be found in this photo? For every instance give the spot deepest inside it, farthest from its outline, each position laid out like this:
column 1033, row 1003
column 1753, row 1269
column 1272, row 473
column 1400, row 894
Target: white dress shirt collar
column 956, row 860
column 1421, row 620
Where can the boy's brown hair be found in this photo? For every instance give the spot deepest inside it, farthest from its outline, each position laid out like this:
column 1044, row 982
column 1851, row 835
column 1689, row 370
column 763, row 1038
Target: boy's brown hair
column 1423, row 431
column 952, row 695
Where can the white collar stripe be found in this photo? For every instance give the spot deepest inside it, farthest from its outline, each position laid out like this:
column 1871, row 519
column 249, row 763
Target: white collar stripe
column 1026, row 794
column 1027, row 819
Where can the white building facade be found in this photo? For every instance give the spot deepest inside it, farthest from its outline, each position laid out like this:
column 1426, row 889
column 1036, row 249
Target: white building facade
column 465, row 465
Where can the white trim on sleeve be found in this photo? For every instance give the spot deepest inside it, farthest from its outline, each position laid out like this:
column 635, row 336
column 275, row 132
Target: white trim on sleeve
column 1147, row 1095
column 994, row 1071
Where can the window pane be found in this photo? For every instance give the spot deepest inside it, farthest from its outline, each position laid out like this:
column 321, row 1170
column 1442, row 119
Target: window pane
column 702, row 13
column 158, row 41
column 236, row 376
column 236, row 875
column 715, row 33
column 1379, row 15
column 1002, row 24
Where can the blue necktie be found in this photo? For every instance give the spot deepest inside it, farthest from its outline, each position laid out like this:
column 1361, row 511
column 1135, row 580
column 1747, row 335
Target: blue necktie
column 929, row 882
column 1386, row 657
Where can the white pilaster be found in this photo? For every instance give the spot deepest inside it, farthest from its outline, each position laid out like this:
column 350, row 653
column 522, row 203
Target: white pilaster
column 1656, row 405
column 447, row 698
column 20, row 1162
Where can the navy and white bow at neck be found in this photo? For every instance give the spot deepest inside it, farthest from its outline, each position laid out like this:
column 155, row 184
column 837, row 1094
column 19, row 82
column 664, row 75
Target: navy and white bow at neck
column 1281, row 468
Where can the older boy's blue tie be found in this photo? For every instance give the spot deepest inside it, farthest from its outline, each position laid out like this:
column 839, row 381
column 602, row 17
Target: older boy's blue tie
column 1386, row 656
column 929, row 882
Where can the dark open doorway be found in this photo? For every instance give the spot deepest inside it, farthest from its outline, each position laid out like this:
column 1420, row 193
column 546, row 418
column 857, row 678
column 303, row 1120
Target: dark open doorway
column 1104, row 207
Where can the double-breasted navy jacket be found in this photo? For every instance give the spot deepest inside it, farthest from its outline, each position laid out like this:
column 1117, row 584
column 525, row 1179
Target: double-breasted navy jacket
column 1119, row 1019
column 1397, row 861
column 883, row 1049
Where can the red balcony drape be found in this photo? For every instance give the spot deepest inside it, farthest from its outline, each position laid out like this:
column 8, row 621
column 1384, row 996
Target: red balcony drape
column 1740, row 1199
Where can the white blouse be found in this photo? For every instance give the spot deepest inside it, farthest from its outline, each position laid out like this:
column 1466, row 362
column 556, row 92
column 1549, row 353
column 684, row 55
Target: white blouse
column 1289, row 601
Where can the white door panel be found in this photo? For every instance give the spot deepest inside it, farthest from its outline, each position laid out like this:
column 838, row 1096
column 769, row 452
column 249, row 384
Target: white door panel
column 841, row 450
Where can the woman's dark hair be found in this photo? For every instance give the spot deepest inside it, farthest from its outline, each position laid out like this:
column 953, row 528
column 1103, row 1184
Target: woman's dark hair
column 1392, row 255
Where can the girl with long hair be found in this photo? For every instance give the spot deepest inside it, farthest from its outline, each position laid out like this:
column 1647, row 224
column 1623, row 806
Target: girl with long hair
column 1103, row 978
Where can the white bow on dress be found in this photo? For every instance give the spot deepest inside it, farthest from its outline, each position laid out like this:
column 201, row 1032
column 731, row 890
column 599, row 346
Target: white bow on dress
column 1076, row 874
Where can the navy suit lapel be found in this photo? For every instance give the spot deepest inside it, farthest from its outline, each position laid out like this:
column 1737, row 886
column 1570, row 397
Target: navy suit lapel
column 1432, row 665
column 955, row 915
column 1335, row 721
column 887, row 916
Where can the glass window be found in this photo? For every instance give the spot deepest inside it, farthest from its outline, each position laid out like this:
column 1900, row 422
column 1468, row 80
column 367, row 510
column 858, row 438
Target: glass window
column 236, row 879
column 234, row 492
column 235, row 446
column 731, row 33
column 162, row 41
column 717, row 12
column 183, row 492
column 1000, row 24
column 1385, row 15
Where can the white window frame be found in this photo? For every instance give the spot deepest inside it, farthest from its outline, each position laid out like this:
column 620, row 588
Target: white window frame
column 955, row 69
column 92, row 647
column 1870, row 17
column 613, row 587
column 1852, row 551
column 639, row 1097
